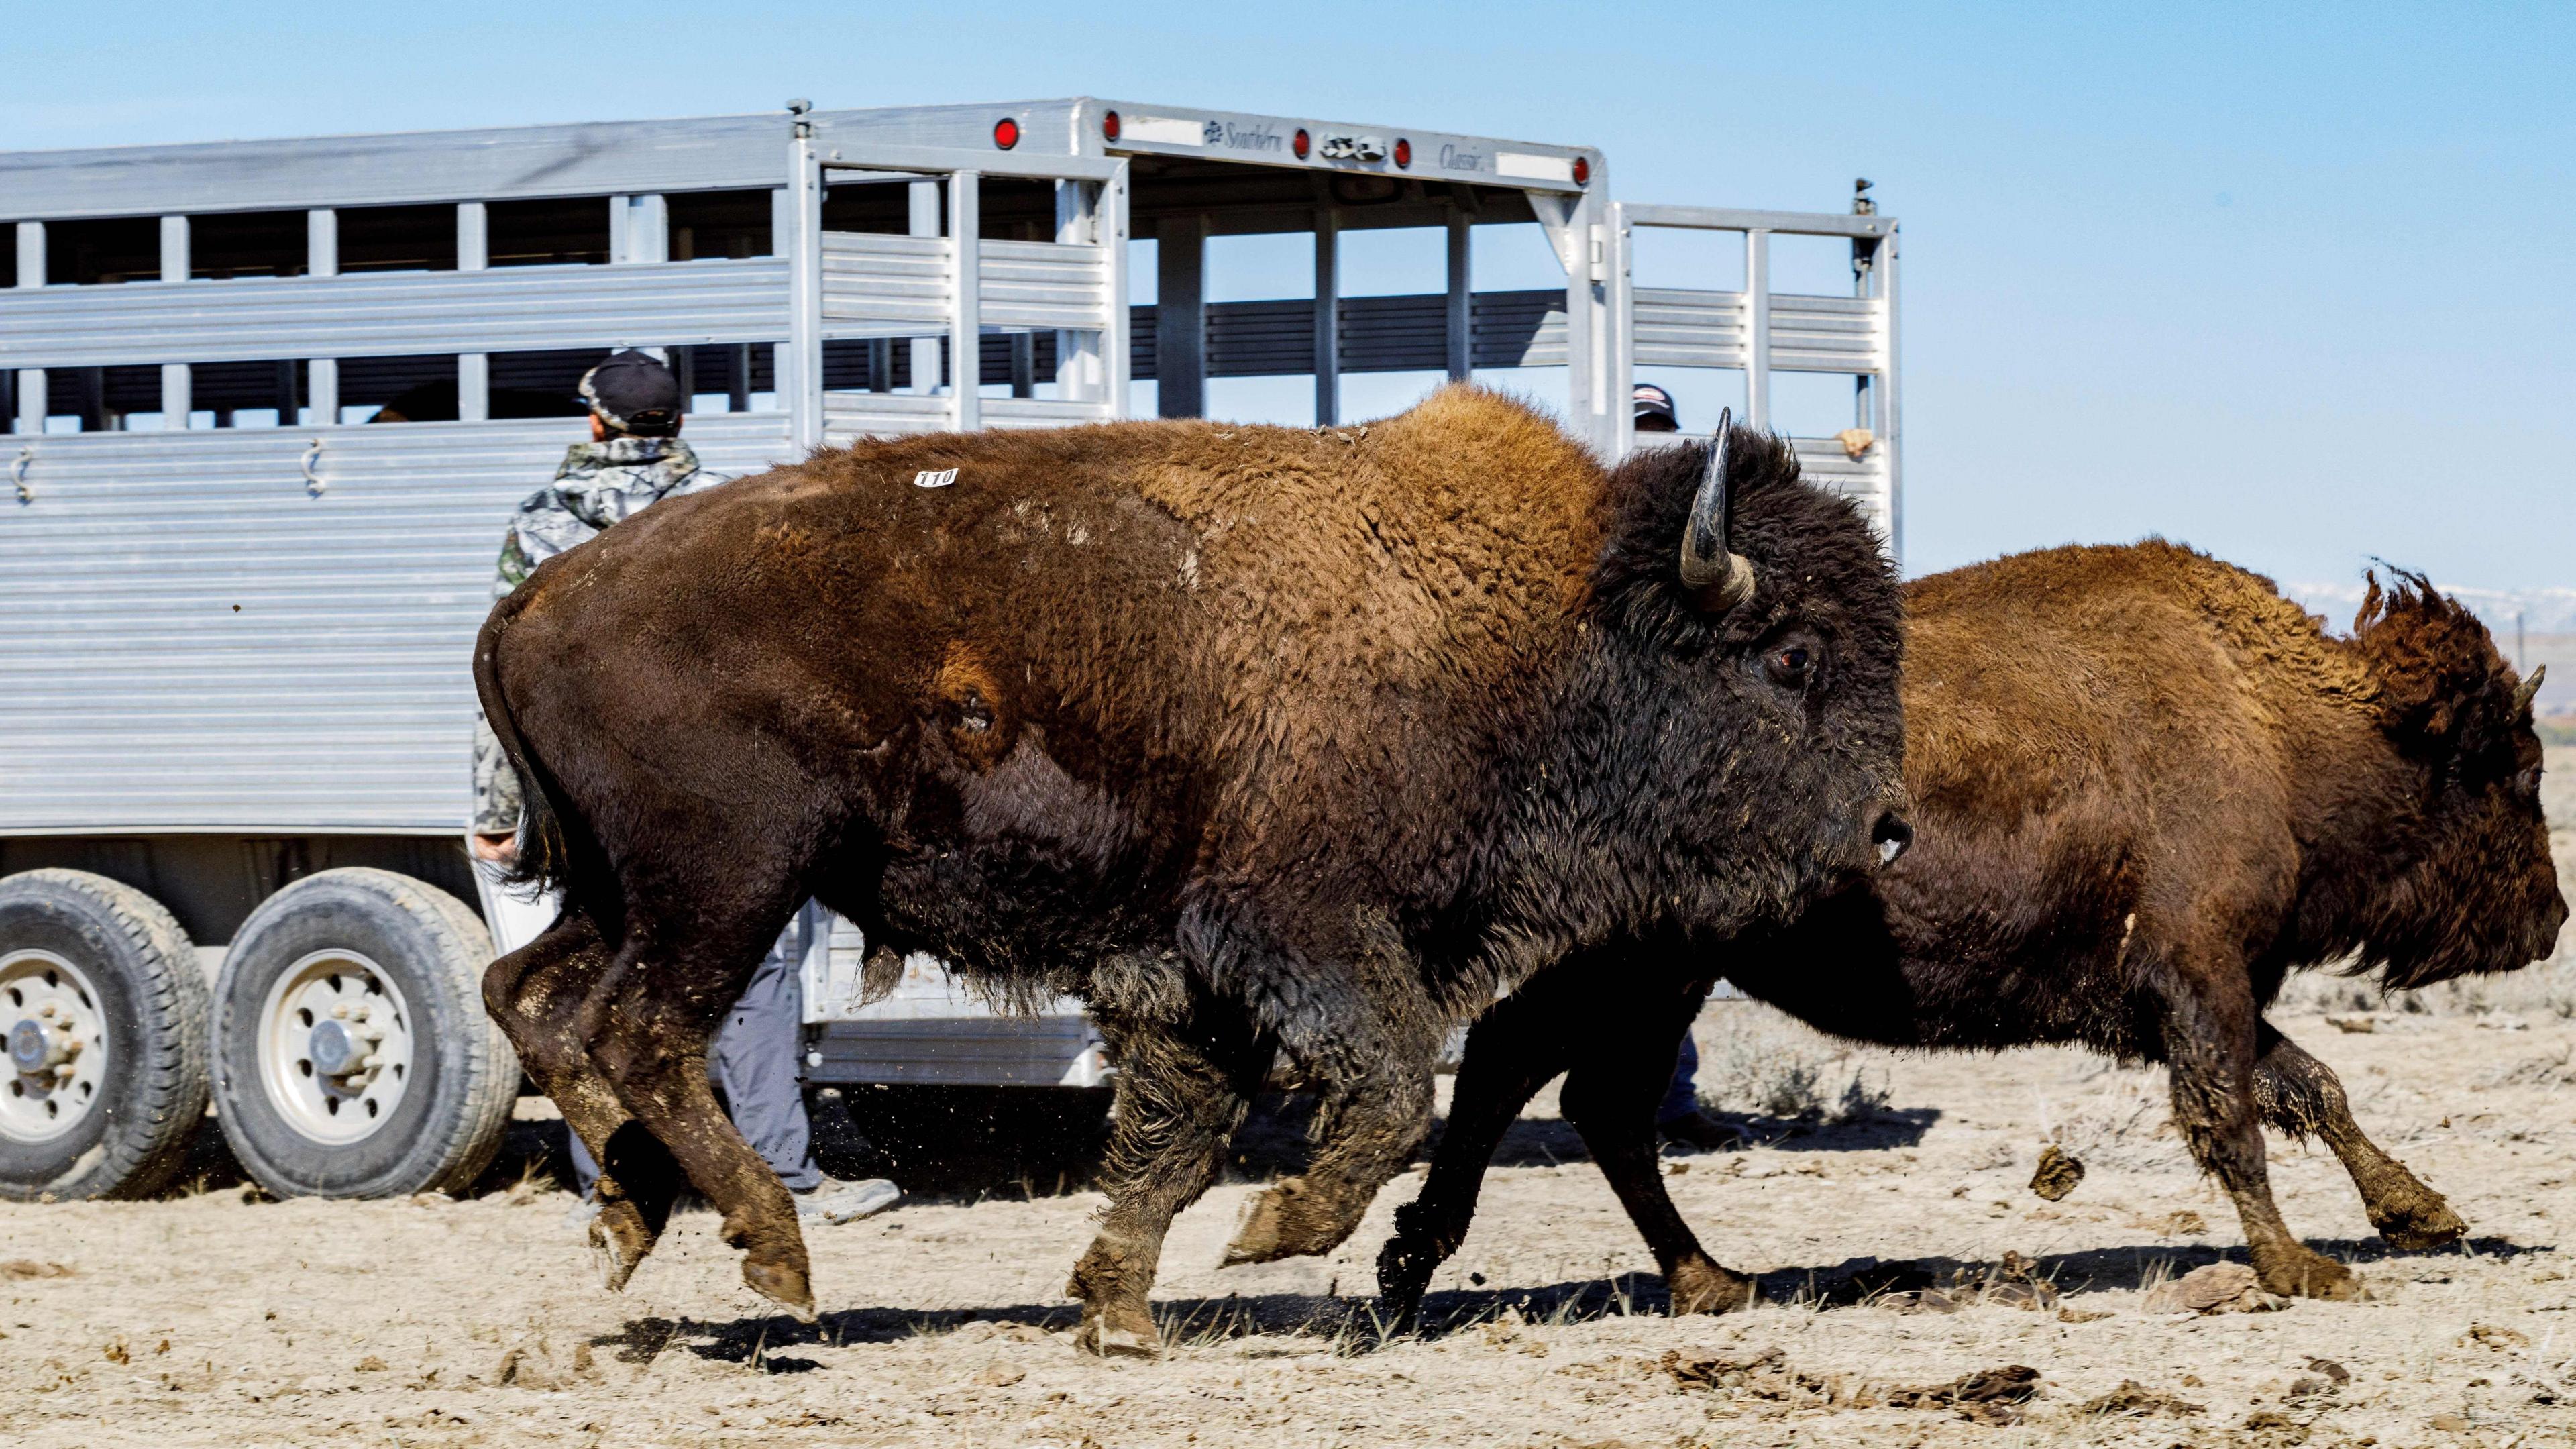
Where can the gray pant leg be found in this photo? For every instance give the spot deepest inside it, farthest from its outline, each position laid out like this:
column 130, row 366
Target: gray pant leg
column 754, row 1053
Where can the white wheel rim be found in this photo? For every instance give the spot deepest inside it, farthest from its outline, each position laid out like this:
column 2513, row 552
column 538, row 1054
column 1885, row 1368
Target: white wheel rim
column 335, row 1047
column 57, row 1068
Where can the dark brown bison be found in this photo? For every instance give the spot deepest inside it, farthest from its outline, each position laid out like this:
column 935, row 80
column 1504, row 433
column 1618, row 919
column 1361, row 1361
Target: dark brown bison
column 2146, row 788
column 1263, row 742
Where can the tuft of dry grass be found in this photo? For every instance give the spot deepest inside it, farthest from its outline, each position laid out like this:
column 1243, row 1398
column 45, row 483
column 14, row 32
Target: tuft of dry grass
column 1756, row 1060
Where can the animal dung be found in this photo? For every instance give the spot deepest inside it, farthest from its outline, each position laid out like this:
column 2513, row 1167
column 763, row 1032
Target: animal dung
column 2058, row 1173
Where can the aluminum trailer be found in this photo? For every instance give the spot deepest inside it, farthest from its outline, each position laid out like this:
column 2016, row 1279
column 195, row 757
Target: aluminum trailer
column 270, row 403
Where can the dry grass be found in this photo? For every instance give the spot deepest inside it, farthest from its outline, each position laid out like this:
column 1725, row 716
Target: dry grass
column 1758, row 1061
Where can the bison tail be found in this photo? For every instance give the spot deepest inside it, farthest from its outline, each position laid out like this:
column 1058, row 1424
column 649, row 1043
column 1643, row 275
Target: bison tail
column 543, row 858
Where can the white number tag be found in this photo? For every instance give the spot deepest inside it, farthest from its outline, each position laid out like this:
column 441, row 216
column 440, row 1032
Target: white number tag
column 934, row 478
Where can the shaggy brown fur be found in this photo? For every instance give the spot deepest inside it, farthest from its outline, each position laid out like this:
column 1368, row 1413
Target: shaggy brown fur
column 1261, row 741
column 2146, row 788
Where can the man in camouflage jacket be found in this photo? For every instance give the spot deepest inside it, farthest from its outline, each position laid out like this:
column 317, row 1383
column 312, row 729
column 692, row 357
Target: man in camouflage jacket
column 634, row 459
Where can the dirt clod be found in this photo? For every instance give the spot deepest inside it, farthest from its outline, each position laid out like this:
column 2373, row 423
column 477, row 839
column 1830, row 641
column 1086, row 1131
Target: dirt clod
column 2503, row 1339
column 2216, row 1288
column 2135, row 1400
column 2330, row 1369
column 2058, row 1173
column 1987, row 1396
column 30, row 1268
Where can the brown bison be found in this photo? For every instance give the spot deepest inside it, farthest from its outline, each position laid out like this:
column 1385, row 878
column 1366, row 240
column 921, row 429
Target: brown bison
column 1262, row 742
column 2146, row 788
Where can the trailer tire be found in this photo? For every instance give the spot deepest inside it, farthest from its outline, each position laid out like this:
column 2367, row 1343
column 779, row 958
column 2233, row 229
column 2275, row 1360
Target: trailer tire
column 110, row 959
column 353, row 1057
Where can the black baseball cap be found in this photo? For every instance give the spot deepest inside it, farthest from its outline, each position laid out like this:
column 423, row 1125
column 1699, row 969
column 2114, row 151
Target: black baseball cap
column 1651, row 400
column 632, row 392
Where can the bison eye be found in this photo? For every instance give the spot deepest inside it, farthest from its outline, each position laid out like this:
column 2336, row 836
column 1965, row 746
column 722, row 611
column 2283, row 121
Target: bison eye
column 2527, row 784
column 1791, row 666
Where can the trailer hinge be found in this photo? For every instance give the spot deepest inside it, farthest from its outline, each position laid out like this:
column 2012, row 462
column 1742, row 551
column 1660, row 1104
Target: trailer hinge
column 18, row 474
column 311, row 464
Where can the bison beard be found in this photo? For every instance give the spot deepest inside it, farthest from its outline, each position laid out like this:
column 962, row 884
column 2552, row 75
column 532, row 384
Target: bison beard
column 1266, row 743
column 2147, row 788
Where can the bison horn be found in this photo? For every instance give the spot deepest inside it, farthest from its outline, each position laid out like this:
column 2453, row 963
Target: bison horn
column 2523, row 692
column 1726, row 578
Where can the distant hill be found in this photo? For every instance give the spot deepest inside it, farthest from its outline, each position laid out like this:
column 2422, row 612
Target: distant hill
column 2543, row 611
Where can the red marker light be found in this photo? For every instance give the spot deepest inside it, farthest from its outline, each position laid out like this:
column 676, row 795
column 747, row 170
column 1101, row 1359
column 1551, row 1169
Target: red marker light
column 1403, row 152
column 1109, row 125
column 1582, row 171
column 1300, row 143
column 1006, row 133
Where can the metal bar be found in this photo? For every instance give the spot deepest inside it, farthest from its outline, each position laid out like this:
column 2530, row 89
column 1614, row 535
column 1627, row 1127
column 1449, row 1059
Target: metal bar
column 473, row 369
column 1623, row 333
column 1890, row 427
column 1109, row 228
column 894, row 162
column 1457, row 315
column 1757, row 328
column 321, row 259
column 738, row 378
column 1583, row 381
column 1180, row 317
column 648, row 228
column 965, row 328
column 800, row 364
column 1790, row 223
column 924, row 201
column 1077, row 353
column 620, row 243
column 32, row 399
column 175, row 389
column 1328, row 318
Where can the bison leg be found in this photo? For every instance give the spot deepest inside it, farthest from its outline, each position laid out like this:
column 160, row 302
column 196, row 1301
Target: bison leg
column 1181, row 1095
column 1610, row 1097
column 1376, row 1106
column 2209, row 1038
column 647, row 1027
column 536, row 994
column 2301, row 1096
column 1511, row 1052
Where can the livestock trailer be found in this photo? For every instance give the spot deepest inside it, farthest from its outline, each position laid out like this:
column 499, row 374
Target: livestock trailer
column 271, row 403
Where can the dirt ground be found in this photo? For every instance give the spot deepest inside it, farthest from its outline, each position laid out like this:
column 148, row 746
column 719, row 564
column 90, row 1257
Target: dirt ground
column 209, row 1320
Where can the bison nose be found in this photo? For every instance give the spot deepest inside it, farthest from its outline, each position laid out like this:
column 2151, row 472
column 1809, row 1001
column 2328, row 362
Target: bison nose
column 1888, row 836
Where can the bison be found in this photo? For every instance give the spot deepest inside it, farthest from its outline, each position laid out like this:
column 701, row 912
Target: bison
column 1265, row 743
column 2146, row 789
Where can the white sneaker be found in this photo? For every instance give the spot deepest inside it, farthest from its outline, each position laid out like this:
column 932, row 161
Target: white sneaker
column 835, row 1201
column 578, row 1218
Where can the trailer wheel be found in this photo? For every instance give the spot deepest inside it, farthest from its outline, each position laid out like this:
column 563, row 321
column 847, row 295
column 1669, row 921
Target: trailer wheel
column 353, row 1057
column 105, row 1012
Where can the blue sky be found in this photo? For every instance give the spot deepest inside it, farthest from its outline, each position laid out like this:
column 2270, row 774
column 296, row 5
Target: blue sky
column 2292, row 284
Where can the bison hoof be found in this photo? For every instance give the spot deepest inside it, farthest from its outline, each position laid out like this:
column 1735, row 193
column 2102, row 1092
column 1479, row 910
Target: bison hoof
column 785, row 1284
column 1704, row 1287
column 1403, row 1275
column 2420, row 1227
column 1121, row 1333
column 618, row 1241
column 1289, row 1220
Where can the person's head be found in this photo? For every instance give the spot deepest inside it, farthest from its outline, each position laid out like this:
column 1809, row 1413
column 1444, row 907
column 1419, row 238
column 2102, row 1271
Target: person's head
column 633, row 395
column 1655, row 409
